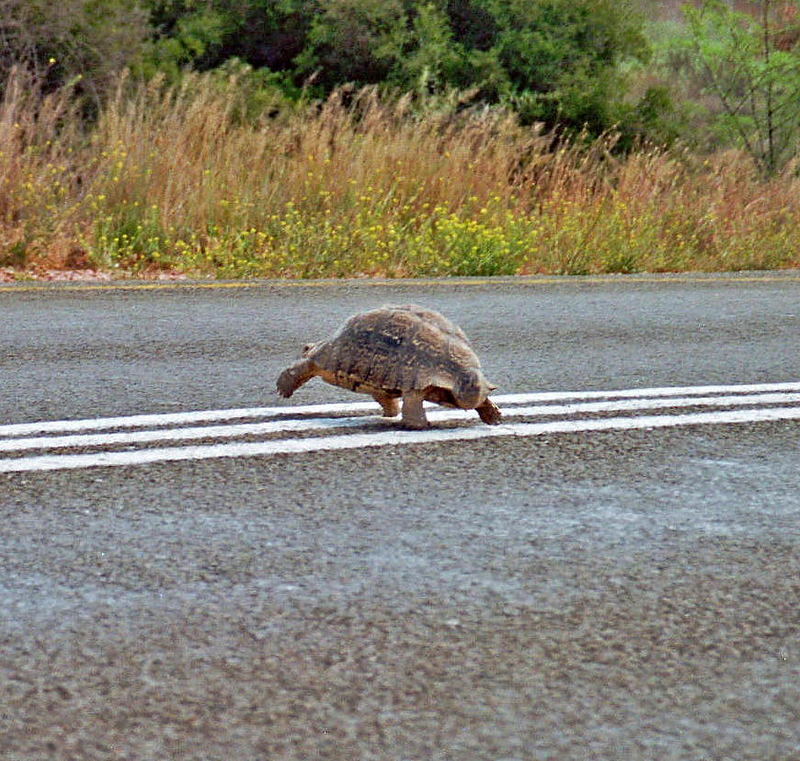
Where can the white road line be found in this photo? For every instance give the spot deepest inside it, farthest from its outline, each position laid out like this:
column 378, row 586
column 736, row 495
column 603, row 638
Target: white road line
column 176, row 418
column 389, row 438
column 645, row 393
column 182, row 418
column 321, row 424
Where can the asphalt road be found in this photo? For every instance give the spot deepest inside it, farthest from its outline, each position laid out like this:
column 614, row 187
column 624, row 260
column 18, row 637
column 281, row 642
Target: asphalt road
column 620, row 594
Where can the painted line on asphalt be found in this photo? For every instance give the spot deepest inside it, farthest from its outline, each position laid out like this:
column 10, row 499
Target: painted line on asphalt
column 205, row 416
column 389, row 438
column 74, row 441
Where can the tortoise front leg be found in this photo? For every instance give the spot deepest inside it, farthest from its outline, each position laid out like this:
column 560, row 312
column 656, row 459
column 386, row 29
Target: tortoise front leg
column 489, row 412
column 413, row 411
column 295, row 376
column 390, row 404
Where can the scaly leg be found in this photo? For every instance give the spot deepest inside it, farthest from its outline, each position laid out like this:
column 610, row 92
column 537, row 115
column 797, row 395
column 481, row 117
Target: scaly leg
column 390, row 404
column 489, row 412
column 295, row 376
column 413, row 411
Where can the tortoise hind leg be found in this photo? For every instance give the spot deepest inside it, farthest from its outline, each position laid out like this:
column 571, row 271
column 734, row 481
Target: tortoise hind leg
column 389, row 404
column 413, row 411
column 489, row 412
column 295, row 376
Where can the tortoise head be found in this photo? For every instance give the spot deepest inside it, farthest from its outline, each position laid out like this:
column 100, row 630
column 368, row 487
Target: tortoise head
column 471, row 388
column 307, row 349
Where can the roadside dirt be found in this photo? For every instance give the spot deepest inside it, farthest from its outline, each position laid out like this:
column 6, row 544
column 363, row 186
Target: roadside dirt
column 8, row 275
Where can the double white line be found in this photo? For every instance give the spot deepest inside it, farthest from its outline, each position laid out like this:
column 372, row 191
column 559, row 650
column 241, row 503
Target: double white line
column 119, row 441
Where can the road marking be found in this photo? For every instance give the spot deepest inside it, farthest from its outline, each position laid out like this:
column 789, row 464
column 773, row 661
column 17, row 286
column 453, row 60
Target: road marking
column 182, row 418
column 74, row 441
column 388, row 438
column 763, row 398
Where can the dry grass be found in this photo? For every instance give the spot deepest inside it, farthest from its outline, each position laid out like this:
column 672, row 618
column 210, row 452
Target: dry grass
column 175, row 179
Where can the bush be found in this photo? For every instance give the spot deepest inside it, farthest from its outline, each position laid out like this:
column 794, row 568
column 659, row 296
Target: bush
column 555, row 61
column 729, row 78
column 751, row 67
column 83, row 42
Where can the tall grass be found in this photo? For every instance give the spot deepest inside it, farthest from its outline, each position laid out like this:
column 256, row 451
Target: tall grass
column 177, row 178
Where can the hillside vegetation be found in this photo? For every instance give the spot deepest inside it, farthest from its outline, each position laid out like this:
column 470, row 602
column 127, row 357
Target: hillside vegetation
column 422, row 151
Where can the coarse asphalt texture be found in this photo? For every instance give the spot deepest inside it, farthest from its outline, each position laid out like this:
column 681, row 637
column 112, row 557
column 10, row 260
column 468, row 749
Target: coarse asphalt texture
column 594, row 595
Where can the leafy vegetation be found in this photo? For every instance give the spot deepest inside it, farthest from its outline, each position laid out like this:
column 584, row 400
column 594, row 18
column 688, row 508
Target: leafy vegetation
column 751, row 67
column 283, row 138
column 555, row 61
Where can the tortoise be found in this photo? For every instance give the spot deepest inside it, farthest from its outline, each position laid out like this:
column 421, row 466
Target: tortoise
column 399, row 352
